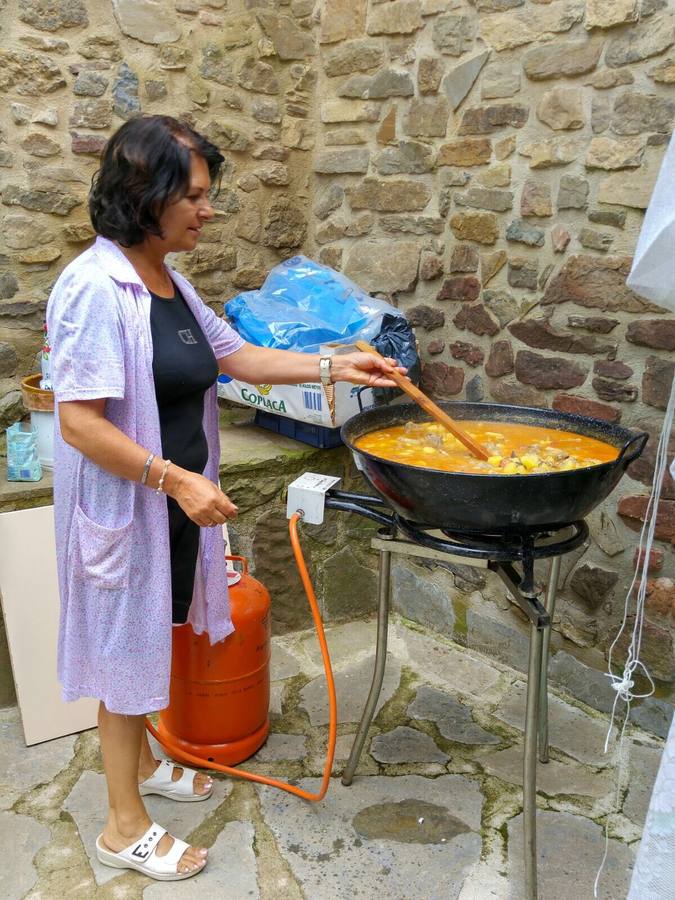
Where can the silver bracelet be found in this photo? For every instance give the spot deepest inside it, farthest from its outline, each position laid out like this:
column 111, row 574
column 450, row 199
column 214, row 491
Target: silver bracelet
column 146, row 468
column 160, row 486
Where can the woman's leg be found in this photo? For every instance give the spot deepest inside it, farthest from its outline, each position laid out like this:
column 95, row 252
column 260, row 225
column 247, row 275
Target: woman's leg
column 201, row 784
column 121, row 739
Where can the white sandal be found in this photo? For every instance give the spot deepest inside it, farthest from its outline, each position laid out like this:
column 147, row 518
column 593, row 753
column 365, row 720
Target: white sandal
column 161, row 782
column 142, row 856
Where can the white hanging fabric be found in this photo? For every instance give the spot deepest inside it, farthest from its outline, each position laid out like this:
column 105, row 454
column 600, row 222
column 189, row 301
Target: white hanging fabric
column 653, row 277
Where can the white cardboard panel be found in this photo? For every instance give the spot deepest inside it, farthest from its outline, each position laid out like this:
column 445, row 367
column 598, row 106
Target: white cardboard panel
column 30, row 602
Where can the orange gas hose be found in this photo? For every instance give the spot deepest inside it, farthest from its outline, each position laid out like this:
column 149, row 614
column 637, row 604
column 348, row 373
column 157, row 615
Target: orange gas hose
column 180, row 754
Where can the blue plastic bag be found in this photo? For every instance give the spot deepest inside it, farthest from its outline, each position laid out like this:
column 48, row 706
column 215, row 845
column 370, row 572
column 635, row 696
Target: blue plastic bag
column 22, row 455
column 303, row 304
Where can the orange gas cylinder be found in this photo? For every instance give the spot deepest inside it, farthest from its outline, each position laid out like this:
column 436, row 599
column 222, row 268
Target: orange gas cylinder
column 219, row 702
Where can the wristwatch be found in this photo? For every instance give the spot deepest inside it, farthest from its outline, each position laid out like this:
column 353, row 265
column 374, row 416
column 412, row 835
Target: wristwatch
column 324, row 370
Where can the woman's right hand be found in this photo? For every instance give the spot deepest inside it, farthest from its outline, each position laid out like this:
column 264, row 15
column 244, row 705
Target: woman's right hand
column 200, row 499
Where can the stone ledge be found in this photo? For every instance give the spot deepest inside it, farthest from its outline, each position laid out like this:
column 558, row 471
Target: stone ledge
column 244, row 446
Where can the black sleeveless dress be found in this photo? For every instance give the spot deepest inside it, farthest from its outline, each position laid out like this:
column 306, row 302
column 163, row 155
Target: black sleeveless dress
column 184, row 368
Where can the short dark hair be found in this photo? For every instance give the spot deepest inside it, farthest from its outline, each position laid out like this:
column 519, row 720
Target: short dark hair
column 145, row 166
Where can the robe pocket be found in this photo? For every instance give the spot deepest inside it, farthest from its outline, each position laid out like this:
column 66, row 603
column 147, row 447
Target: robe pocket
column 99, row 554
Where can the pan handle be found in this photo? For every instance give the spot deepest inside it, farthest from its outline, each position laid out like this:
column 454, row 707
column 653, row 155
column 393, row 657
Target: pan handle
column 640, row 441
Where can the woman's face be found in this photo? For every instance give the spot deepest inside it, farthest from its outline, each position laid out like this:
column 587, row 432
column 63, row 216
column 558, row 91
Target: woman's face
column 182, row 220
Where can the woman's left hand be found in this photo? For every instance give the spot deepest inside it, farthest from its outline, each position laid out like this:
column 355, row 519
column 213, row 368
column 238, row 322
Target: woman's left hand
column 364, row 368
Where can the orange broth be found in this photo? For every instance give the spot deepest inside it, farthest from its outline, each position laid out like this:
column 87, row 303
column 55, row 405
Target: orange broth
column 514, row 449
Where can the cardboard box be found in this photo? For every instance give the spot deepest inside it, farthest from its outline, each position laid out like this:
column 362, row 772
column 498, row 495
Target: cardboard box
column 307, row 402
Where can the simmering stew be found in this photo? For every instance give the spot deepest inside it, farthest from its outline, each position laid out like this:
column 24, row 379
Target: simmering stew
column 514, row 449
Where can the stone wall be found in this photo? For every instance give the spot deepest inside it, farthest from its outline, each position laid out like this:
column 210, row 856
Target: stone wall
column 484, row 164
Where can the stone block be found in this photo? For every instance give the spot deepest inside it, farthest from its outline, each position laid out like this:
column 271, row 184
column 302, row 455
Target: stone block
column 522, row 233
column 481, row 227
column 431, row 266
column 392, row 195
column 472, row 355
column 636, row 112
column 596, row 324
column 27, row 837
column 474, row 317
column 148, row 21
column 376, row 266
column 612, row 369
column 570, row 847
column 606, row 153
column 633, row 509
column 502, row 305
column 397, row 17
column 560, row 238
column 565, row 59
column 506, row 147
column 596, row 281
column 486, row 198
column 486, row 119
column 411, row 224
column 289, row 41
column 385, row 83
column 522, row 273
column 427, row 317
column 459, row 80
column 498, row 638
column 608, row 13
column 580, row 406
column 552, row 152
column 535, row 199
column 427, row 116
column 508, row 30
column 28, row 74
column 498, row 175
column 429, row 73
column 342, row 19
column 441, row 381
column 491, row 264
column 499, row 81
column 615, row 218
column 454, row 34
column 595, row 240
column 552, row 779
column 384, row 815
column 641, row 42
column 332, row 162
column 333, row 111
column 359, row 55
column 465, row 152
column 452, row 718
column 614, row 392
column 656, row 381
column 406, row 745
column 54, row 15
column 500, row 361
column 548, row 372
column 464, row 259
column 352, row 684
column 656, row 333
column 562, row 109
column 407, row 158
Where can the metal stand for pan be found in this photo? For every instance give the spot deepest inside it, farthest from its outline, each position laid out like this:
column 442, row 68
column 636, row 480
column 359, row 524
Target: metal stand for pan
column 512, row 557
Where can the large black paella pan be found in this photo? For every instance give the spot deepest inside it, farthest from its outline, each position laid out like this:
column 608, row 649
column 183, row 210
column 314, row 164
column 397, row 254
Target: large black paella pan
column 492, row 503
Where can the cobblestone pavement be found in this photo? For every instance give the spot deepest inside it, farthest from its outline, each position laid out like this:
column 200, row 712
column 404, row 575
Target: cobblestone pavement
column 435, row 810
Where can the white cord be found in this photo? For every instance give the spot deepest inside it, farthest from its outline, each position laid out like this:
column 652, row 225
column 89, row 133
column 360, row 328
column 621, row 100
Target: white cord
column 623, row 685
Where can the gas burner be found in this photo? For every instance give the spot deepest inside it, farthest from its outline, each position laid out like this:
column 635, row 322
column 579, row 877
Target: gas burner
column 511, row 547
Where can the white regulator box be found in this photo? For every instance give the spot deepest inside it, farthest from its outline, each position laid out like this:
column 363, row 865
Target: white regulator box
column 308, row 402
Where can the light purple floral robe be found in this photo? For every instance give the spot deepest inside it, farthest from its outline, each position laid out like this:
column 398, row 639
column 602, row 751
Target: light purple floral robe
column 112, row 536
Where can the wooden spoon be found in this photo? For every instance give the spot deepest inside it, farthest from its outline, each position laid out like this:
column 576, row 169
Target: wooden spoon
column 429, row 406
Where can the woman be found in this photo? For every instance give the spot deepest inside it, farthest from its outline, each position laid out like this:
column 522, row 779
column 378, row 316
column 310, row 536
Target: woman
column 138, row 507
